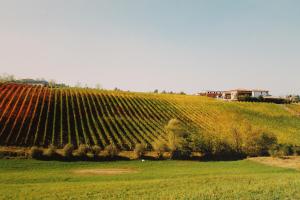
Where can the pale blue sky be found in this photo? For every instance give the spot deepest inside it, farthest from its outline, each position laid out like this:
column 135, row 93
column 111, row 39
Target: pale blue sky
column 143, row 45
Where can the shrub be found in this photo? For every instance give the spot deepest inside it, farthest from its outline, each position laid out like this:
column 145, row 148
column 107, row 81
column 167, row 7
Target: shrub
column 237, row 139
column 178, row 140
column 36, row 152
column 139, row 150
column 111, row 151
column 68, row 150
column 159, row 147
column 8, row 153
column 181, row 154
column 3, row 154
column 203, row 143
column 259, row 143
column 266, row 141
column 223, row 149
column 296, row 150
column 275, row 152
column 287, row 150
column 96, row 150
column 50, row 152
column 281, row 150
column 82, row 150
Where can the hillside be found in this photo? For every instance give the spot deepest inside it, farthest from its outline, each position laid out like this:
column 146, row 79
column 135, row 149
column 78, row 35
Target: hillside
column 35, row 115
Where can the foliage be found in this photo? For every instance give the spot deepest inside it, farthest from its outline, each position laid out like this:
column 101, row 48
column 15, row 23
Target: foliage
column 51, row 152
column 96, row 149
column 98, row 86
column 177, row 140
column 258, row 143
column 243, row 140
column 294, row 98
column 281, row 150
column 296, row 150
column 139, row 150
column 111, row 151
column 223, row 150
column 68, row 151
column 82, row 150
column 159, row 146
column 287, row 149
column 36, row 152
column 6, row 78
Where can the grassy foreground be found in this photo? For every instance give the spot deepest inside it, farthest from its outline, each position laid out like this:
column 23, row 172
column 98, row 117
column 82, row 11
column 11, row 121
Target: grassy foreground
column 31, row 179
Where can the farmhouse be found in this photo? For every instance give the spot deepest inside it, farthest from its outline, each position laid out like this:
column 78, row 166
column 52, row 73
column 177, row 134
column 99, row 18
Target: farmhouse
column 242, row 94
column 260, row 93
column 211, row 93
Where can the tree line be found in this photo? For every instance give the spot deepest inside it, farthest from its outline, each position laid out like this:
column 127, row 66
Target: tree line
column 180, row 143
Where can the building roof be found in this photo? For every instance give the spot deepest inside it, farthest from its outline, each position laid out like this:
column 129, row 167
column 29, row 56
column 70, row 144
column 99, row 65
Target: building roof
column 240, row 90
column 258, row 90
column 212, row 91
column 247, row 90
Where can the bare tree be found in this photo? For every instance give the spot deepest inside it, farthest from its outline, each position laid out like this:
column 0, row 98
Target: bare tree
column 98, row 86
column 78, row 84
column 52, row 83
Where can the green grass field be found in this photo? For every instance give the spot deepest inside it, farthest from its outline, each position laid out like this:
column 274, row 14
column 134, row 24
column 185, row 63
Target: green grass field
column 31, row 179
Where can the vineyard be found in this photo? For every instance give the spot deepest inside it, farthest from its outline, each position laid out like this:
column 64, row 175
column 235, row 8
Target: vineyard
column 35, row 115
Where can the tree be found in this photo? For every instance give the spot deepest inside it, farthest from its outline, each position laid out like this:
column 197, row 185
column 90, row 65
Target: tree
column 82, row 150
column 98, row 86
column 177, row 139
column 117, row 89
column 36, row 152
column 297, row 99
column 96, row 150
column 7, row 78
column 155, row 91
column 68, row 151
column 258, row 143
column 139, row 150
column 159, row 146
column 294, row 98
column 111, row 151
column 52, row 83
column 51, row 152
column 78, row 84
column 201, row 143
column 237, row 139
column 261, row 98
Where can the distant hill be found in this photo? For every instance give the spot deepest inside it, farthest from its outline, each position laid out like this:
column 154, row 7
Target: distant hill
column 37, row 115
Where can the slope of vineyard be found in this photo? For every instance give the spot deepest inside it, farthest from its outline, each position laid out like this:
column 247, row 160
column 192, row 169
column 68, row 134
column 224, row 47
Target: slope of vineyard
column 36, row 115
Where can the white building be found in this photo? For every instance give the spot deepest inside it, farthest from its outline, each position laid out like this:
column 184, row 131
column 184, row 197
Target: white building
column 260, row 93
column 242, row 94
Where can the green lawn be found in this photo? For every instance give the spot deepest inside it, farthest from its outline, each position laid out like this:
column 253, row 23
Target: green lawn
column 30, row 179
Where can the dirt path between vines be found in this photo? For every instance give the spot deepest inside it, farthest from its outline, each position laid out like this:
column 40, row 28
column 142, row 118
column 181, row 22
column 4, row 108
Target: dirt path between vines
column 291, row 162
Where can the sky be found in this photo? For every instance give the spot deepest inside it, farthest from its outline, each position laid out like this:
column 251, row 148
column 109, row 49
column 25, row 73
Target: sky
column 142, row 45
